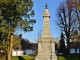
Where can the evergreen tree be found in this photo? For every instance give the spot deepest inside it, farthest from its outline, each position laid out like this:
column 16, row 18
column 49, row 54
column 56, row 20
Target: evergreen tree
column 62, row 46
column 14, row 14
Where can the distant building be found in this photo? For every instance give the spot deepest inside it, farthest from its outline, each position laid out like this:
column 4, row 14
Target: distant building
column 31, row 49
column 17, row 52
column 74, row 47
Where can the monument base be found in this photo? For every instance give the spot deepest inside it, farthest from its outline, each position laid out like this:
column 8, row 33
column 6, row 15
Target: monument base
column 38, row 57
column 53, row 57
column 43, row 57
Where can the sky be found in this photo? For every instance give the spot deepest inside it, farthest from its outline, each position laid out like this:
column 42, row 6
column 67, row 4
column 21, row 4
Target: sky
column 39, row 7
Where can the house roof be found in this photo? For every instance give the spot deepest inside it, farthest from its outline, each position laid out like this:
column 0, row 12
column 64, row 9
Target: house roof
column 32, row 46
column 74, row 44
column 35, row 46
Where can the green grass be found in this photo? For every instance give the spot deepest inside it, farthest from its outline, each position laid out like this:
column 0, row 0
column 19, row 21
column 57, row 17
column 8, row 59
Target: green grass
column 60, row 57
column 14, row 58
column 69, row 57
column 23, row 58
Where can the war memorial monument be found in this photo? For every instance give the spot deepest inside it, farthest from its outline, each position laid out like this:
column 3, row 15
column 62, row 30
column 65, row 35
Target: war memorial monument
column 46, row 44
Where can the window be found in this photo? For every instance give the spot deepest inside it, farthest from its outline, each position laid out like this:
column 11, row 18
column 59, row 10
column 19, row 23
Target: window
column 79, row 50
column 79, row 12
column 75, row 50
column 79, row 1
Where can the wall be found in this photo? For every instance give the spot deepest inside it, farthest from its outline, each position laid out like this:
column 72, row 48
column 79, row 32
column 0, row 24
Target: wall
column 17, row 53
column 72, row 50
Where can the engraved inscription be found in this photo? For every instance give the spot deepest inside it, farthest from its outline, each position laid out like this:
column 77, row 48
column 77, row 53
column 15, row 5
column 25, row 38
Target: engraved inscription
column 46, row 48
column 44, row 59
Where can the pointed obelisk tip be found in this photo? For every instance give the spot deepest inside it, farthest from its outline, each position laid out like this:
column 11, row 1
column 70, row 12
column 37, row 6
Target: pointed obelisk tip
column 46, row 6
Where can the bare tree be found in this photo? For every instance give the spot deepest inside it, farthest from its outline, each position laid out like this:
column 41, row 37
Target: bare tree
column 77, row 7
column 38, row 36
column 67, row 19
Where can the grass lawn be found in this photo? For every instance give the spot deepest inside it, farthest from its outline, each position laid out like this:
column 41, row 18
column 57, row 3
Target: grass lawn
column 60, row 57
column 69, row 57
column 23, row 58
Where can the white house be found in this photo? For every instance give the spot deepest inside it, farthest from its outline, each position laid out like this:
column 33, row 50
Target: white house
column 17, row 52
column 31, row 49
column 74, row 47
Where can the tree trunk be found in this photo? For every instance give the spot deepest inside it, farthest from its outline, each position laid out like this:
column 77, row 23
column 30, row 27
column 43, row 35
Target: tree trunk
column 68, row 45
column 6, row 56
column 9, row 56
column 10, row 48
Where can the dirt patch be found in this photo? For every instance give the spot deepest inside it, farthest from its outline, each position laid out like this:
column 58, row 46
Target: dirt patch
column 2, row 58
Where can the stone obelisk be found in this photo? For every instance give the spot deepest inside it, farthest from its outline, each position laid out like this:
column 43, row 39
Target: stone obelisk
column 46, row 44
